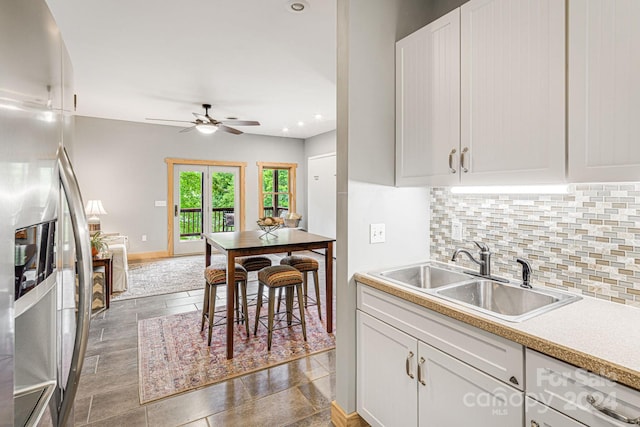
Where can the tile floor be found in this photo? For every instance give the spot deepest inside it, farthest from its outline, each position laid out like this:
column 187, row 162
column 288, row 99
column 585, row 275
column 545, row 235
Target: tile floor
column 298, row 393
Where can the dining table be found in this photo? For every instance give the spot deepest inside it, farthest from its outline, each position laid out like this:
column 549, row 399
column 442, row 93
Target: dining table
column 256, row 242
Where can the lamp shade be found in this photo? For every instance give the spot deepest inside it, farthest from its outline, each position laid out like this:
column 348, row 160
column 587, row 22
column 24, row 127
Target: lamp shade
column 94, row 208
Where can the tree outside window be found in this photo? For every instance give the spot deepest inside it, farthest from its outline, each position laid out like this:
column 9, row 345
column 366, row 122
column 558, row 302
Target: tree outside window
column 277, row 188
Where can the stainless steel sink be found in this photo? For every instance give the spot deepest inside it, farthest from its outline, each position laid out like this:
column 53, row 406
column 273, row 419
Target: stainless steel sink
column 424, row 276
column 507, row 302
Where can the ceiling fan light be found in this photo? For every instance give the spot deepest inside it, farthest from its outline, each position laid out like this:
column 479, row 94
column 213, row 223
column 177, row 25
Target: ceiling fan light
column 206, row 128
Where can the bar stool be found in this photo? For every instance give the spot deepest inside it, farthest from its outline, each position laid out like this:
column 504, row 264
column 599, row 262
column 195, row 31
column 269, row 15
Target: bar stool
column 279, row 277
column 305, row 264
column 216, row 275
column 254, row 263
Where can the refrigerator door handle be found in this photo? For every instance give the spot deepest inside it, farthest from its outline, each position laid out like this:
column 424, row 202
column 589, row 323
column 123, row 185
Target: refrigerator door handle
column 83, row 254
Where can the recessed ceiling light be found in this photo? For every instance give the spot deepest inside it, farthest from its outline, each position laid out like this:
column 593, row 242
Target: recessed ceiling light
column 297, row 6
column 232, row 118
column 300, row 123
column 285, row 129
column 318, row 116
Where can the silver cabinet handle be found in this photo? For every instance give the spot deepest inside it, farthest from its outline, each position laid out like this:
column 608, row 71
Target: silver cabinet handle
column 465, row 150
column 451, row 168
column 420, row 376
column 408, row 365
column 611, row 413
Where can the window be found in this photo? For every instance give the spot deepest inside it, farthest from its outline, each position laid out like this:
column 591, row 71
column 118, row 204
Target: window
column 277, row 188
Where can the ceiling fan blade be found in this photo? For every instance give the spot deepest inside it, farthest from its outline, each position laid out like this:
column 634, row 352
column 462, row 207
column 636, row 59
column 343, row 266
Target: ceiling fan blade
column 240, row 122
column 189, row 129
column 205, row 119
column 168, row 120
column 229, row 129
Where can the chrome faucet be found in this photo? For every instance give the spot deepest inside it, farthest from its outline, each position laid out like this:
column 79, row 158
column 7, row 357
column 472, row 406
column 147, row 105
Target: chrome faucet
column 485, row 257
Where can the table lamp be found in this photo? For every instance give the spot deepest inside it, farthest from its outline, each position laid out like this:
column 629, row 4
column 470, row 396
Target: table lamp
column 93, row 209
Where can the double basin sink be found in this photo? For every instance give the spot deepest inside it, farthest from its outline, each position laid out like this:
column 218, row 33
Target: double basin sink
column 502, row 300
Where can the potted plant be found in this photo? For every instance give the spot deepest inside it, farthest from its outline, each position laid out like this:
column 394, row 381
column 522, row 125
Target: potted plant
column 98, row 243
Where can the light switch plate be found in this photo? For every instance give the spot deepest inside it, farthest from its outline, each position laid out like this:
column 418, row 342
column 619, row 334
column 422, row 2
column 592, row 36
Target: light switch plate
column 160, row 203
column 456, row 230
column 376, row 233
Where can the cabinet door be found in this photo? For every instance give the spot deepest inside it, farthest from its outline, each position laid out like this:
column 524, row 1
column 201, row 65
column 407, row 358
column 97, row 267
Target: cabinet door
column 452, row 393
column 513, row 91
column 428, row 103
column 387, row 394
column 604, row 106
column 539, row 415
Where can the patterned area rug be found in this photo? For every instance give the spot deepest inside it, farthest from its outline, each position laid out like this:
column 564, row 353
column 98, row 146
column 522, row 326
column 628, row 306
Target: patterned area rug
column 173, row 355
column 168, row 275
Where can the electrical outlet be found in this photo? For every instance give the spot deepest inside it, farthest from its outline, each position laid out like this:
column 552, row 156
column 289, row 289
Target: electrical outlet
column 144, row 237
column 456, row 230
column 376, row 233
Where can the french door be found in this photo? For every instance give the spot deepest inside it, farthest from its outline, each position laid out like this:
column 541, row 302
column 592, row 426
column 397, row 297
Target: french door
column 206, row 200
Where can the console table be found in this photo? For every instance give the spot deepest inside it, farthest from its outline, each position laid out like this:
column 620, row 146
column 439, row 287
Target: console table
column 105, row 261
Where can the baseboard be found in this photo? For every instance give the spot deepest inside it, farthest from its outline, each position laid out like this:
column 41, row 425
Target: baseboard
column 139, row 256
column 341, row 419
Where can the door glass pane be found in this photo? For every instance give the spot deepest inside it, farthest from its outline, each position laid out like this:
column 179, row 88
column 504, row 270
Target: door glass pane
column 190, row 205
column 222, row 201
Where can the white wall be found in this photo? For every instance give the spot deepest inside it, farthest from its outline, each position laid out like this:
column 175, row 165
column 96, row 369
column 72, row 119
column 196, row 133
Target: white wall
column 320, row 144
column 123, row 164
column 367, row 32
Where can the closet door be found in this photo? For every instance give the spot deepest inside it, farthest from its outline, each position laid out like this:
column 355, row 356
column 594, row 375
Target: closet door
column 513, row 91
column 604, row 89
column 322, row 195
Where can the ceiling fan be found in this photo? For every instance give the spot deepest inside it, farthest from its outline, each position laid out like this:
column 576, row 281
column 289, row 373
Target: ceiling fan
column 204, row 123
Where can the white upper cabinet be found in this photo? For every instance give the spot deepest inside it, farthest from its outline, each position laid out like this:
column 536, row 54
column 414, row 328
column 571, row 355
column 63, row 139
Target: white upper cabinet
column 428, row 103
column 513, row 91
column 480, row 96
column 604, row 90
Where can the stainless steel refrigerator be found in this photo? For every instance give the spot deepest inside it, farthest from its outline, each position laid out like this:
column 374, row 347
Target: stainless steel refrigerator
column 45, row 258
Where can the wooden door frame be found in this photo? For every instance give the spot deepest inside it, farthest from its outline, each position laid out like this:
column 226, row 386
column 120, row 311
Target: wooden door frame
column 291, row 167
column 172, row 162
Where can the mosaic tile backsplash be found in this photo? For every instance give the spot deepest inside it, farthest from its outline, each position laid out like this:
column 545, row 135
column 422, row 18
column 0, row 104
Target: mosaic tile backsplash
column 586, row 241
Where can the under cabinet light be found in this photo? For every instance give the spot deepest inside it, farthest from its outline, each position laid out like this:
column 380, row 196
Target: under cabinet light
column 513, row 189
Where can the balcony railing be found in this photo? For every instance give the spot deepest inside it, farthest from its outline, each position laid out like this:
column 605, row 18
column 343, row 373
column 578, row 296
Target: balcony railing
column 222, row 219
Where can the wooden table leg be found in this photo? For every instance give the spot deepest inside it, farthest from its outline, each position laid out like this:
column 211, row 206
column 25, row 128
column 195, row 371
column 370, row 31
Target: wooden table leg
column 207, row 254
column 231, row 272
column 328, row 273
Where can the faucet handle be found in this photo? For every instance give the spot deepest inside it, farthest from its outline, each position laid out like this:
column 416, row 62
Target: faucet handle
column 526, row 272
column 482, row 246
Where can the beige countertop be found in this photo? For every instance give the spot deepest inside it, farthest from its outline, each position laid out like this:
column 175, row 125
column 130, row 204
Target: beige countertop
column 599, row 336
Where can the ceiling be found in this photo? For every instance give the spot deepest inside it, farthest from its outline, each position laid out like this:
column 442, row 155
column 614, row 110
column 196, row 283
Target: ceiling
column 250, row 59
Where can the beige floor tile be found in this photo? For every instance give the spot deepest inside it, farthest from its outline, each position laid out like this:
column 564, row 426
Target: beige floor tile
column 281, row 377
column 133, row 418
column 187, row 407
column 114, row 402
column 277, row 409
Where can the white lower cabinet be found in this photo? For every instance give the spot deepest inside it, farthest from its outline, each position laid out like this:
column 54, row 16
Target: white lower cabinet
column 452, row 393
column 387, row 391
column 404, row 382
column 591, row 399
column 539, row 415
